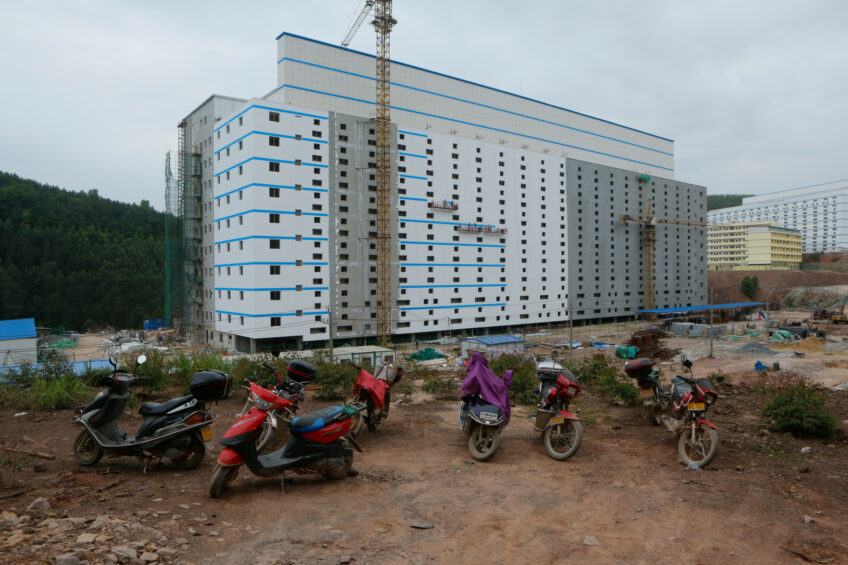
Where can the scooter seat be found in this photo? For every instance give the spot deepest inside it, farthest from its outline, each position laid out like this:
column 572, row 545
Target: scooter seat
column 153, row 408
column 316, row 420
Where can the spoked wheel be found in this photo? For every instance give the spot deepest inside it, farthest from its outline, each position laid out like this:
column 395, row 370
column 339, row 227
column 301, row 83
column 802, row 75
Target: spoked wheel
column 563, row 440
column 222, row 477
column 483, row 442
column 359, row 418
column 86, row 449
column 192, row 455
column 699, row 450
column 265, row 435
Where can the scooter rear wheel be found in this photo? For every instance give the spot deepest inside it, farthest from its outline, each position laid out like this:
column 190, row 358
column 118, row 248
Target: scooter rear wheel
column 86, row 449
column 222, row 477
column 341, row 472
column 654, row 414
column 192, row 456
column 483, row 442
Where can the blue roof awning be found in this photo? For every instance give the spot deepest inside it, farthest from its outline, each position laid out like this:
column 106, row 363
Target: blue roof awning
column 495, row 339
column 17, row 329
column 702, row 307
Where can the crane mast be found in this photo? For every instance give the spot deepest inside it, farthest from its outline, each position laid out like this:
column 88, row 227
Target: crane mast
column 383, row 23
column 649, row 239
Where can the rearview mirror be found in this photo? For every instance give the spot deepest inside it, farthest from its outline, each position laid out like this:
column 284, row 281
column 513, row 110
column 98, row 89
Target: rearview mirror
column 113, row 361
column 141, row 359
column 688, row 364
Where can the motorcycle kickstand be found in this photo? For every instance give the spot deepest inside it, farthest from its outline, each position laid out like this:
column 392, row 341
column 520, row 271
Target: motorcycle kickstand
column 283, row 480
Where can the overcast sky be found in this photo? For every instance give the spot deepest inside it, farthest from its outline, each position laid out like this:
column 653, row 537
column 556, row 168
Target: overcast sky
column 754, row 93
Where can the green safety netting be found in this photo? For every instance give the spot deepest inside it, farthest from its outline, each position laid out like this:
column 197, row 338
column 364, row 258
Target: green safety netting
column 427, row 354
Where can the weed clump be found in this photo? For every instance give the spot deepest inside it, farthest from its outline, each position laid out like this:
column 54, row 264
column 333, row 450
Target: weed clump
column 798, row 408
column 52, row 387
column 522, row 389
column 598, row 374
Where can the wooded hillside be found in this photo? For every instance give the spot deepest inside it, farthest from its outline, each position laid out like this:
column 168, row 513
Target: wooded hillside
column 77, row 260
column 716, row 201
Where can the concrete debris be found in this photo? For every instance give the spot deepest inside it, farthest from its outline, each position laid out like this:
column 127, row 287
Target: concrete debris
column 39, row 507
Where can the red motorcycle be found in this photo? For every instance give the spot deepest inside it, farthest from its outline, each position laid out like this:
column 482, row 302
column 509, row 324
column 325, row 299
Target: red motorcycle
column 691, row 398
column 318, row 442
column 563, row 431
column 374, row 391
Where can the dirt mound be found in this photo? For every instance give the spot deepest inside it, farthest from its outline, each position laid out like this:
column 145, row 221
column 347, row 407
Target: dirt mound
column 756, row 347
column 809, row 344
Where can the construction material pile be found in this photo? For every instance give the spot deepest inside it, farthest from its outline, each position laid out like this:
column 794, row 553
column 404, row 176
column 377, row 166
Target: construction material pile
column 649, row 343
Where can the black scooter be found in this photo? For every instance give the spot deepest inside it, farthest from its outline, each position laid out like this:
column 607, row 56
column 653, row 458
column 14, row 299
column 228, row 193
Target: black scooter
column 482, row 423
column 176, row 429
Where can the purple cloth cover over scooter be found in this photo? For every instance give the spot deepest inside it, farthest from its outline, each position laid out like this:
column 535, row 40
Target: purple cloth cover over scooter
column 481, row 380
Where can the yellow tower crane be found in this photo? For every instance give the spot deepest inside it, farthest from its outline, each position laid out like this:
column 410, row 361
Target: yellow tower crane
column 382, row 23
column 649, row 239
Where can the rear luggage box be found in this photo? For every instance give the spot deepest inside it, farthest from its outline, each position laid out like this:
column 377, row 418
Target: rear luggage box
column 639, row 369
column 301, row 371
column 211, row 385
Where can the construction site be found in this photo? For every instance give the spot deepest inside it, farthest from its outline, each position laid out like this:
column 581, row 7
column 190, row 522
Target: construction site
column 367, row 213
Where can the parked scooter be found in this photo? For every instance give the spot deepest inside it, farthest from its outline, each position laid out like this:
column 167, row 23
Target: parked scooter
column 653, row 397
column 562, row 429
column 375, row 392
column 318, row 442
column 485, row 407
column 688, row 401
column 291, row 388
column 176, row 429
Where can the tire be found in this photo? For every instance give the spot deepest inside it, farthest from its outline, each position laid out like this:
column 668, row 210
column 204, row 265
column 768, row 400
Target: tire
column 222, row 477
column 340, row 473
column 483, row 442
column 654, row 413
column 563, row 440
column 86, row 449
column 702, row 450
column 359, row 417
column 192, row 455
column 265, row 436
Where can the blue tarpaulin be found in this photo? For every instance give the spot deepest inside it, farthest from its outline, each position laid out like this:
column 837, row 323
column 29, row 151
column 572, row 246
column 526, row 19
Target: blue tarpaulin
column 701, row 308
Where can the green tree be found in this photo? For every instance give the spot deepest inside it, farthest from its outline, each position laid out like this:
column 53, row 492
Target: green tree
column 716, row 201
column 750, row 286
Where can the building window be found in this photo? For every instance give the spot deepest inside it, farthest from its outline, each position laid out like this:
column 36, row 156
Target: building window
column 274, row 218
column 274, row 141
column 275, row 321
column 274, row 192
column 274, row 117
column 275, row 295
column 274, row 243
column 275, row 269
column 274, row 167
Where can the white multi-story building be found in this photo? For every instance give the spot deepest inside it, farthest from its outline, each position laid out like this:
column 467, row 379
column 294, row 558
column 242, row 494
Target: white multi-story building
column 819, row 212
column 507, row 209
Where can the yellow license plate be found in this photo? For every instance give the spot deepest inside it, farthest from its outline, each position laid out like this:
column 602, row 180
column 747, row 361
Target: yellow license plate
column 696, row 406
column 206, row 433
column 646, row 392
column 557, row 420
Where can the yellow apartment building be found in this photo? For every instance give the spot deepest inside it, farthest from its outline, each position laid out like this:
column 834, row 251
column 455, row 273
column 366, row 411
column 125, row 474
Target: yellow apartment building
column 757, row 246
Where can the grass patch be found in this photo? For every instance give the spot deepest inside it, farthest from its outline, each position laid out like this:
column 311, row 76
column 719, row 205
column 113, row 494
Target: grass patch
column 53, row 387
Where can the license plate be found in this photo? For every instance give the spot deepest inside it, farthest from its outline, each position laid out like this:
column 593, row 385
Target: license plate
column 206, row 433
column 646, row 393
column 489, row 416
column 696, row 406
column 557, row 420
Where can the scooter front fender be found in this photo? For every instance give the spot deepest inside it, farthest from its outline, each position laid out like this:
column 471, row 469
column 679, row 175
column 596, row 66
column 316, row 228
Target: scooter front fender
column 707, row 423
column 229, row 457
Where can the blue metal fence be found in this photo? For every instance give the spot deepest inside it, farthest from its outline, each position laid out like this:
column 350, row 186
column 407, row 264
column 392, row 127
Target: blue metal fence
column 78, row 367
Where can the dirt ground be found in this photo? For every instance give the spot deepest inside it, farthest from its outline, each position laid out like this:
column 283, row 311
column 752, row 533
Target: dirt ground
column 623, row 498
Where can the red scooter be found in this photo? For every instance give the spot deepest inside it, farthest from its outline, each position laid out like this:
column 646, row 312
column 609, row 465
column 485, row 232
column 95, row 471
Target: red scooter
column 562, row 429
column 374, row 391
column 317, row 445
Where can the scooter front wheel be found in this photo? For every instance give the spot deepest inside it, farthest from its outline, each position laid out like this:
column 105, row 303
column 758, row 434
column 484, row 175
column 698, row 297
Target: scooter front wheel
column 192, row 456
column 86, row 449
column 563, row 440
column 222, row 477
column 483, row 442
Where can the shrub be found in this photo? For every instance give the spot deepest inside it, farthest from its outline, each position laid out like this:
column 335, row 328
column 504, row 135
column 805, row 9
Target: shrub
column 522, row 390
column 596, row 373
column 405, row 388
column 335, row 379
column 797, row 408
column 52, row 387
column 416, row 370
column 441, row 386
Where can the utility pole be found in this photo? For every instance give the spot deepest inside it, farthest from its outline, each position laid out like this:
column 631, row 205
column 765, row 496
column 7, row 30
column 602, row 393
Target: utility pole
column 570, row 333
column 768, row 303
column 712, row 294
column 332, row 333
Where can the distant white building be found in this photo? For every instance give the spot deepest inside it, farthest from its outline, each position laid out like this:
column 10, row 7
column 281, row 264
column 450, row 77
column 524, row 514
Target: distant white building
column 819, row 212
column 18, row 342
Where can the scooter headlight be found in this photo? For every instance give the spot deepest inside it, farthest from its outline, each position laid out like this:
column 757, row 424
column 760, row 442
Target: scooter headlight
column 571, row 392
column 260, row 403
